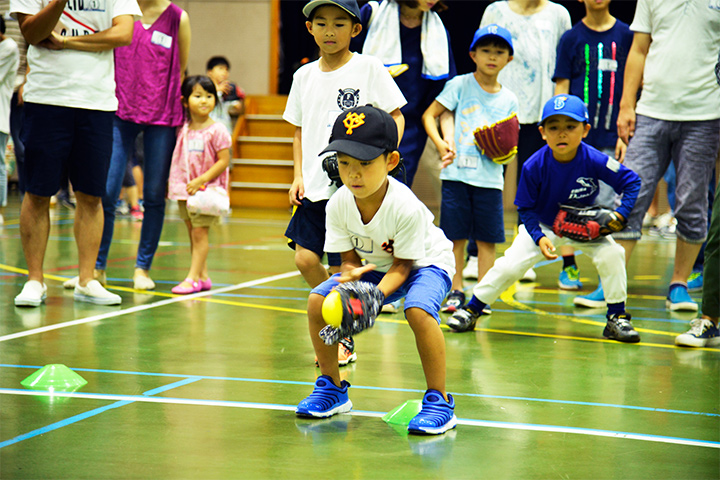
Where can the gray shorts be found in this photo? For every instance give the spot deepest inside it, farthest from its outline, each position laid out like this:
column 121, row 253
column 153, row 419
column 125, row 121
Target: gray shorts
column 692, row 146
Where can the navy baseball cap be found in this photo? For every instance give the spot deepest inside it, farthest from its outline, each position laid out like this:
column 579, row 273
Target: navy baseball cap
column 364, row 133
column 492, row 30
column 568, row 105
column 349, row 6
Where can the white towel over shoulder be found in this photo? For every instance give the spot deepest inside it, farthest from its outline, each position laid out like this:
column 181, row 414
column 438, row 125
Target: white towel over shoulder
column 383, row 40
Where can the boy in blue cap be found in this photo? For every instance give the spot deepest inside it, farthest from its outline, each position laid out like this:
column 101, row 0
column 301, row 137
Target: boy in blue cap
column 566, row 171
column 472, row 181
column 375, row 218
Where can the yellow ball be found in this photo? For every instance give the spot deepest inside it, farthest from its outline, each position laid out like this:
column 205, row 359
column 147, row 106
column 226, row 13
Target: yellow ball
column 332, row 310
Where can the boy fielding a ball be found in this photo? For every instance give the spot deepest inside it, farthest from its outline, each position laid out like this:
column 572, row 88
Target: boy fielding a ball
column 375, row 218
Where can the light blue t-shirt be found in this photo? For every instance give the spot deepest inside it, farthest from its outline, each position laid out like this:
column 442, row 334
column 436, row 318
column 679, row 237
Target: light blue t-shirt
column 474, row 107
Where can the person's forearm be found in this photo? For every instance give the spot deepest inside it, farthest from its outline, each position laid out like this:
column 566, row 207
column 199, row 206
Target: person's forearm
column 395, row 277
column 634, row 72
column 562, row 85
column 120, row 34
column 36, row 28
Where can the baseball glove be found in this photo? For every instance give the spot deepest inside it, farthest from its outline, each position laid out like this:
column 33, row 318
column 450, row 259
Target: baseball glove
column 361, row 304
column 584, row 224
column 499, row 141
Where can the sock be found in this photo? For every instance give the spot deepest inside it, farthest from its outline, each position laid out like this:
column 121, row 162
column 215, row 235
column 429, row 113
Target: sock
column 568, row 261
column 475, row 305
column 677, row 284
column 615, row 308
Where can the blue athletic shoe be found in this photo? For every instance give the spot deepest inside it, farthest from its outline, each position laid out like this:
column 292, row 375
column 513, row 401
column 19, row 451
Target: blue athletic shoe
column 702, row 333
column 326, row 399
column 679, row 299
column 570, row 278
column 695, row 281
column 595, row 299
column 437, row 415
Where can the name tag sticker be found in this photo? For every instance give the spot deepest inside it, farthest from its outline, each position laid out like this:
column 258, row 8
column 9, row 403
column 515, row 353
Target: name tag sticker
column 607, row 65
column 613, row 164
column 466, row 162
column 159, row 38
column 196, row 145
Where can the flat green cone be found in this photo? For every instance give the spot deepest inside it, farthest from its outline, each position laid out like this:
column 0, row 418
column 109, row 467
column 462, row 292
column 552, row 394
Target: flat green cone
column 55, row 377
column 401, row 415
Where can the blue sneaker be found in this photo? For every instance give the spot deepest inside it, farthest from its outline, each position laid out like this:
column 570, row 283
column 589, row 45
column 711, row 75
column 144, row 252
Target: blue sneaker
column 679, row 299
column 695, row 281
column 595, row 299
column 326, row 399
column 437, row 415
column 702, row 333
column 570, row 278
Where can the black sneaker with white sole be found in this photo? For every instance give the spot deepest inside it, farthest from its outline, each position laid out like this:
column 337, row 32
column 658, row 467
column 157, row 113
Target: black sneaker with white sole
column 619, row 328
column 463, row 320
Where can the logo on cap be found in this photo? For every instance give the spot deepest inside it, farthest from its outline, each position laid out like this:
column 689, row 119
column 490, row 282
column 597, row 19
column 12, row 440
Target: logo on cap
column 492, row 29
column 353, row 120
column 559, row 103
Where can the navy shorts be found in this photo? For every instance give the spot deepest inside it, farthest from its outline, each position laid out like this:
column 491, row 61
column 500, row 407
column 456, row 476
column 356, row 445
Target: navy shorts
column 64, row 138
column 473, row 212
column 425, row 288
column 307, row 229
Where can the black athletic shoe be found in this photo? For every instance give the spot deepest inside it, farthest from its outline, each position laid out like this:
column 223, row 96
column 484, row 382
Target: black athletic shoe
column 463, row 320
column 619, row 328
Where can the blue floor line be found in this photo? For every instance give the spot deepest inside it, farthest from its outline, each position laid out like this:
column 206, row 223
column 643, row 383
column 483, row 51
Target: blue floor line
column 190, row 378
column 92, row 413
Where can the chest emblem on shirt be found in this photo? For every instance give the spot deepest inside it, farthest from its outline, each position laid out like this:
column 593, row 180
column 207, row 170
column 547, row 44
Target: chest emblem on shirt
column 588, row 186
column 362, row 244
column 348, row 98
column 388, row 246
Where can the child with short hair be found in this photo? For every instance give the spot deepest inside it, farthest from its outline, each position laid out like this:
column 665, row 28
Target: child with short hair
column 565, row 171
column 378, row 219
column 200, row 159
column 472, row 204
column 320, row 91
column 590, row 64
column 230, row 95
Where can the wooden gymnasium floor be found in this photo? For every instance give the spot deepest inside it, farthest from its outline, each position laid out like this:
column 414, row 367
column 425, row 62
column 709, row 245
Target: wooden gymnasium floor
column 204, row 386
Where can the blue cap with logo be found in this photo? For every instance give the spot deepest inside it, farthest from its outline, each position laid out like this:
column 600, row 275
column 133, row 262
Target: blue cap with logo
column 492, row 30
column 349, row 6
column 568, row 105
column 364, row 133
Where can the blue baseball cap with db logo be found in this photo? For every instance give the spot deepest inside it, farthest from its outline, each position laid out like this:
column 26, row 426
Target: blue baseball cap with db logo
column 492, row 30
column 568, row 105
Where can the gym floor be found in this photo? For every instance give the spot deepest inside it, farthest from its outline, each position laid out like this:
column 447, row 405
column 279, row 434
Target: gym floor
column 204, row 386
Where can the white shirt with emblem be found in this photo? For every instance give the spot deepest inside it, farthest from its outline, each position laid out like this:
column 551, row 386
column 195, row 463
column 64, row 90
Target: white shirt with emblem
column 71, row 78
column 402, row 228
column 317, row 98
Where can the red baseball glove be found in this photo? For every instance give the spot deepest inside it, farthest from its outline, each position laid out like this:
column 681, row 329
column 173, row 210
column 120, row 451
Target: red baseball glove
column 584, row 224
column 499, row 141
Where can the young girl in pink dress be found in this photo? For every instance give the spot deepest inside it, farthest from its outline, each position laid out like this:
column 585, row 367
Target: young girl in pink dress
column 200, row 159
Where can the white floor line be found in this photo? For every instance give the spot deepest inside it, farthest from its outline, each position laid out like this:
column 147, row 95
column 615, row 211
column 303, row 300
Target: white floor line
column 141, row 308
column 360, row 413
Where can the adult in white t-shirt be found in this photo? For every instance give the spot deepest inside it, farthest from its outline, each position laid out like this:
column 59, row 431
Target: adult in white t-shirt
column 677, row 118
column 69, row 107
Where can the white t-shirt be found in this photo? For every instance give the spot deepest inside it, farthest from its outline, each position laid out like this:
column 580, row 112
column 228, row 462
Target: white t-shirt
column 316, row 100
column 71, row 78
column 535, row 39
column 402, row 228
column 679, row 79
column 9, row 63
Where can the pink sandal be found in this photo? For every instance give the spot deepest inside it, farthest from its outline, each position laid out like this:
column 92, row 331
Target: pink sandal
column 181, row 290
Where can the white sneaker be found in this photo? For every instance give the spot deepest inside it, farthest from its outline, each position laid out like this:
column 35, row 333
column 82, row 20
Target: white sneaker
column 530, row 276
column 2, row 219
column 471, row 269
column 32, row 295
column 141, row 282
column 96, row 293
column 72, row 283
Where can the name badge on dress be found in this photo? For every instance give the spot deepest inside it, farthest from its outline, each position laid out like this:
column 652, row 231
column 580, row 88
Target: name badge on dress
column 196, row 145
column 159, row 38
column 607, row 65
column 466, row 162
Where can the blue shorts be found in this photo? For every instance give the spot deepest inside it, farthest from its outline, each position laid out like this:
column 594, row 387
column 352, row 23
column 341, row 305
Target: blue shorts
column 473, row 212
column 63, row 138
column 425, row 288
column 307, row 229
